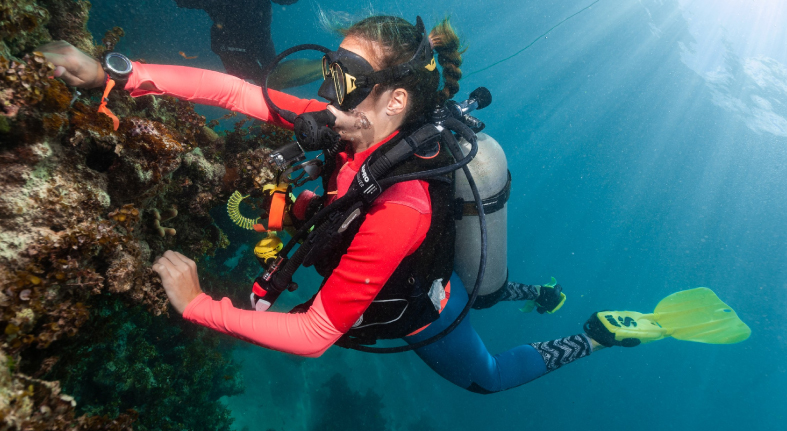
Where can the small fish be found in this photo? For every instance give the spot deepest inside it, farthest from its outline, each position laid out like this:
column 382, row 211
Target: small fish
column 183, row 54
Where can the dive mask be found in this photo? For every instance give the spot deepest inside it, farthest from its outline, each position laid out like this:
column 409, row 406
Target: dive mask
column 349, row 78
column 341, row 69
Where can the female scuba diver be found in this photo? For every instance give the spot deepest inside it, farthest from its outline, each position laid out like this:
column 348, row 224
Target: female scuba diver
column 389, row 274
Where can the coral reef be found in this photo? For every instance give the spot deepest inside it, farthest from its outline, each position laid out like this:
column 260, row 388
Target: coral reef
column 158, row 218
column 174, row 372
column 22, row 26
column 112, row 37
column 24, row 84
column 80, row 227
column 28, row 403
column 68, row 21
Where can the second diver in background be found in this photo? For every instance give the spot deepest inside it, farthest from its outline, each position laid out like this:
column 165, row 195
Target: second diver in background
column 241, row 37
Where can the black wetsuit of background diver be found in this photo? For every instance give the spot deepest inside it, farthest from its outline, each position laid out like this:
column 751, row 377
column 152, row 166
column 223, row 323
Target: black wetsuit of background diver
column 241, row 33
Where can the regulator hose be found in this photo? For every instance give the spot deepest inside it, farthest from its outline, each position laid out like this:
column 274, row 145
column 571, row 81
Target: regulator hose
column 283, row 113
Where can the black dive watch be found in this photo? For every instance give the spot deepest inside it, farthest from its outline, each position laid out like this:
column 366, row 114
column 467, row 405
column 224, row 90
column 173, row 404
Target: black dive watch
column 117, row 66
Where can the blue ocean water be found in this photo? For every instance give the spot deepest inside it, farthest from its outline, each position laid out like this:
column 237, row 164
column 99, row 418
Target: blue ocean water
column 647, row 142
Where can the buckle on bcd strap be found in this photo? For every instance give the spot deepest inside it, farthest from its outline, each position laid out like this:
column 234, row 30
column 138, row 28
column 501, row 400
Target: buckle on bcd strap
column 273, row 268
column 370, row 188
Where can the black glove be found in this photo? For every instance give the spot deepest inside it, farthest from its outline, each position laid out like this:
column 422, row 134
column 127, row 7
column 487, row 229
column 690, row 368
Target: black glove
column 550, row 299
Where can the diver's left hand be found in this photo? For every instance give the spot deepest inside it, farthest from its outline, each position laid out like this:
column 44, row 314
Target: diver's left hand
column 179, row 277
column 550, row 299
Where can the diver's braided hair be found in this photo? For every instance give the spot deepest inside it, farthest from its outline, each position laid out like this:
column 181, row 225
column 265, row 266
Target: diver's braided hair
column 449, row 54
column 397, row 41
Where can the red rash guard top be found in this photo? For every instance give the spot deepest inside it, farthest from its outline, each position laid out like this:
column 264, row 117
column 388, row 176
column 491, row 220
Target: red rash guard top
column 394, row 228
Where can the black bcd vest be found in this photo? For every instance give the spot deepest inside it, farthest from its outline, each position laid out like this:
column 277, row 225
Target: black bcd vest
column 403, row 304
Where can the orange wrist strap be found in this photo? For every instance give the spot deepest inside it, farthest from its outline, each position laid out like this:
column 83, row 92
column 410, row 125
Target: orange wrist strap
column 102, row 108
column 276, row 214
column 278, row 205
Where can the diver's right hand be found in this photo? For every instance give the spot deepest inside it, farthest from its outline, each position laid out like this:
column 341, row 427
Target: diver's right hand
column 72, row 65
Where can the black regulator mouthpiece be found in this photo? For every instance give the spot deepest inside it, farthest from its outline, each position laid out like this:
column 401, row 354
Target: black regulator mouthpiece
column 480, row 98
column 312, row 133
column 313, row 130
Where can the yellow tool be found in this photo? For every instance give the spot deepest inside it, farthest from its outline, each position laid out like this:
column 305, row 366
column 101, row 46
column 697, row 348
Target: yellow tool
column 268, row 248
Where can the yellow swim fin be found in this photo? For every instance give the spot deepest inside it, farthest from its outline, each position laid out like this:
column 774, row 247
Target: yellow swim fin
column 690, row 315
column 699, row 315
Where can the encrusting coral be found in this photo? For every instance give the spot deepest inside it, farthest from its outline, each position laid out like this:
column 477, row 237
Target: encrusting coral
column 79, row 229
column 24, row 84
column 28, row 403
column 22, row 26
column 68, row 21
column 175, row 374
column 158, row 218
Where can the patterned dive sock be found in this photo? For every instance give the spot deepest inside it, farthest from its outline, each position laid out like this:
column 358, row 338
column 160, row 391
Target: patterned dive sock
column 519, row 292
column 562, row 351
column 511, row 291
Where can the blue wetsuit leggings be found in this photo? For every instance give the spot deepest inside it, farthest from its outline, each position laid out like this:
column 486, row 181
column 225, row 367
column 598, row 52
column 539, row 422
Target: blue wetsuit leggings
column 461, row 357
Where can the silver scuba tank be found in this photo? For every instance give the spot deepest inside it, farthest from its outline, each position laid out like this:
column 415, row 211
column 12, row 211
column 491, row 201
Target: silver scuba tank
column 490, row 172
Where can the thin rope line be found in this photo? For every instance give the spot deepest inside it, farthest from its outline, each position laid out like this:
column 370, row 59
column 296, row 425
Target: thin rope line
column 533, row 42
